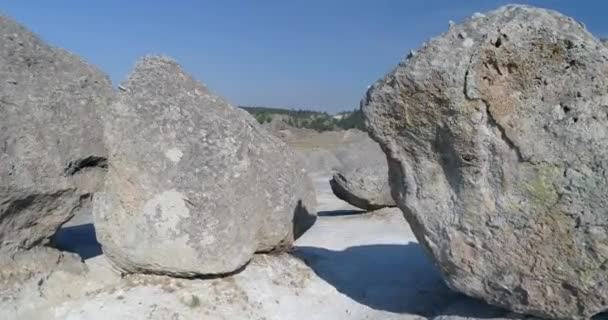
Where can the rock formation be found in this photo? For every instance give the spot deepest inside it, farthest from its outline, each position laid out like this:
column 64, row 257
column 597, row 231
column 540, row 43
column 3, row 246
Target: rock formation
column 194, row 185
column 52, row 155
column 495, row 133
column 362, row 177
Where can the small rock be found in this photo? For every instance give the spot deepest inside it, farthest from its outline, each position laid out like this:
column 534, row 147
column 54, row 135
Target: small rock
column 362, row 178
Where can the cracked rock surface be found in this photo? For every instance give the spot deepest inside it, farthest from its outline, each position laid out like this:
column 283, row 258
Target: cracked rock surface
column 495, row 134
column 51, row 150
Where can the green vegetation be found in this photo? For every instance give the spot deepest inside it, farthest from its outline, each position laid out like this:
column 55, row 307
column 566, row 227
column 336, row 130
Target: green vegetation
column 263, row 117
column 541, row 187
column 352, row 120
column 320, row 121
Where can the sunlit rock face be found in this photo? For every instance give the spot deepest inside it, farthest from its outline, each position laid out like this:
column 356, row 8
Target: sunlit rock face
column 194, row 185
column 495, row 134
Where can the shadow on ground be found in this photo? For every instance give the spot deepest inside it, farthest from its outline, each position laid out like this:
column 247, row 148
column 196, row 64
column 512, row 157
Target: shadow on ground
column 397, row 278
column 340, row 213
column 391, row 277
column 303, row 219
column 79, row 239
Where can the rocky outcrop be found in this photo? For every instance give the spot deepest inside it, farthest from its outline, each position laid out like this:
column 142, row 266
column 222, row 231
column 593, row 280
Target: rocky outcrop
column 362, row 177
column 251, row 294
column 342, row 268
column 52, row 155
column 194, row 185
column 23, row 273
column 495, row 133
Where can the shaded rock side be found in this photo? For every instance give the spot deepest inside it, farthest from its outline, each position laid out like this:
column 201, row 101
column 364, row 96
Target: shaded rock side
column 495, row 133
column 52, row 154
column 362, row 177
column 194, row 185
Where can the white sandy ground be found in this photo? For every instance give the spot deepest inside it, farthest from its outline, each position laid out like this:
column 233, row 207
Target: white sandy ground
column 349, row 265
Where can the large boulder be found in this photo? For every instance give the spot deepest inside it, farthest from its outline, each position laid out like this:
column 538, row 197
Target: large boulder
column 52, row 154
column 496, row 137
column 194, row 185
column 362, row 177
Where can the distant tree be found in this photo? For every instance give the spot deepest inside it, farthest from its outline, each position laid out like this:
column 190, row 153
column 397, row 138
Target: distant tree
column 263, row 117
column 353, row 120
column 290, row 122
column 320, row 121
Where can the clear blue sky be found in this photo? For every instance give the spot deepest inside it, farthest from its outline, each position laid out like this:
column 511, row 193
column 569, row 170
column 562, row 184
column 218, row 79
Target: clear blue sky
column 317, row 54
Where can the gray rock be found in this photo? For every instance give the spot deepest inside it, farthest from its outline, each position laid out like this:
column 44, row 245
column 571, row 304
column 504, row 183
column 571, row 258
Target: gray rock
column 362, row 177
column 495, row 133
column 319, row 150
column 50, row 136
column 194, row 185
column 25, row 265
column 25, row 274
column 318, row 160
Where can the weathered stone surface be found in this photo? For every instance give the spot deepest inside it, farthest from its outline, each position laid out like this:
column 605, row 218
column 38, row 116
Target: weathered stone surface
column 26, row 265
column 50, row 136
column 352, row 260
column 194, row 185
column 319, row 150
column 465, row 308
column 362, row 178
column 272, row 287
column 495, row 133
column 318, row 160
